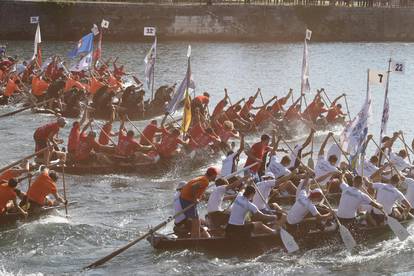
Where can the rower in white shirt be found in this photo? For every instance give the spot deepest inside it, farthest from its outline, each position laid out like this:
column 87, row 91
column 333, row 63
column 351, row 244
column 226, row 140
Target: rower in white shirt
column 325, row 166
column 228, row 164
column 216, row 216
column 304, row 205
column 352, row 199
column 387, row 196
column 400, row 160
column 237, row 227
column 409, row 195
column 265, row 187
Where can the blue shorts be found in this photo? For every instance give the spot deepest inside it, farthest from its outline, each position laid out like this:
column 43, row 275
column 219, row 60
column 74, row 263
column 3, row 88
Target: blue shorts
column 190, row 213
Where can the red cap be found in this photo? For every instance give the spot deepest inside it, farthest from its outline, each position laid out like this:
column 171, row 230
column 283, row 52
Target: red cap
column 213, row 171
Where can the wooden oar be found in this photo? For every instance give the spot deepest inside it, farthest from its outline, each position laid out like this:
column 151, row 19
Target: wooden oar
column 152, row 230
column 287, row 239
column 21, row 160
column 22, row 109
column 106, row 134
column 346, row 235
column 64, row 189
column 347, row 108
column 142, row 134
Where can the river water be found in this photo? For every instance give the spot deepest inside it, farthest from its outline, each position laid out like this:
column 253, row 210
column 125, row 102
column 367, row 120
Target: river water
column 114, row 209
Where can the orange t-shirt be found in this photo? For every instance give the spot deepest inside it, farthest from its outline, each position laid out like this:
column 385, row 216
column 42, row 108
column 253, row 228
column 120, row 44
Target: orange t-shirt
column 7, row 175
column 95, row 85
column 73, row 83
column 261, row 117
column 40, row 188
column 187, row 192
column 39, row 86
column 11, row 87
column 6, row 194
column 257, row 150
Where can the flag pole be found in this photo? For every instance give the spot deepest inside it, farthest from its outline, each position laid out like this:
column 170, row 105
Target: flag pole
column 153, row 69
column 383, row 122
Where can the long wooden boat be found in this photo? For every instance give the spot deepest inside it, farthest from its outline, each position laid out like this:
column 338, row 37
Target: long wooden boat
column 259, row 244
column 13, row 218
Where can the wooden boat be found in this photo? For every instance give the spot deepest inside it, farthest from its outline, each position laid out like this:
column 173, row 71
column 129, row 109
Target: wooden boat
column 13, row 218
column 259, row 244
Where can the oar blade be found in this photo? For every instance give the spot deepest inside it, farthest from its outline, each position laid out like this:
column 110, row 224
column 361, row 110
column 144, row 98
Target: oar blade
column 288, row 241
column 347, row 238
column 399, row 230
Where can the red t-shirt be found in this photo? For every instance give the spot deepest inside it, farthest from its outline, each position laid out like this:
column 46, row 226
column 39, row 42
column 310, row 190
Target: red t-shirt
column 169, row 144
column 103, row 137
column 244, row 112
column 202, row 99
column 40, row 188
column 257, row 150
column 149, row 133
column 73, row 139
column 85, row 147
column 219, row 108
column 126, row 146
column 45, row 131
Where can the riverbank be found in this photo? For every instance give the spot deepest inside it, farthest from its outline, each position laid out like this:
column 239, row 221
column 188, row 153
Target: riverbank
column 68, row 21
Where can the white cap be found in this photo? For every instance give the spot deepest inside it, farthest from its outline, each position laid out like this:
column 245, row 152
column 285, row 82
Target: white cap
column 180, row 185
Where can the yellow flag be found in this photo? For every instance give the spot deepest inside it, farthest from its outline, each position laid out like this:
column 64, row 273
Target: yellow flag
column 187, row 112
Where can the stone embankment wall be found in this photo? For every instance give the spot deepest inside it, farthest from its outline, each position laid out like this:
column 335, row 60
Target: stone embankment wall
column 68, row 21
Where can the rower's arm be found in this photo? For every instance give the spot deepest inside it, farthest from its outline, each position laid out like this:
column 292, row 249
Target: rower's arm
column 322, row 149
column 337, row 99
column 19, row 209
column 309, row 139
column 58, row 197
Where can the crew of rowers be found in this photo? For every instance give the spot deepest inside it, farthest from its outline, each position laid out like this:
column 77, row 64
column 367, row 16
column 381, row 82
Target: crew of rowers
column 367, row 192
column 42, row 192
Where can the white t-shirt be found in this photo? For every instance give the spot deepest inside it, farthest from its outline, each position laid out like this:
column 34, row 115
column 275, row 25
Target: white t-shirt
column 227, row 165
column 369, row 168
column 276, row 168
column 399, row 162
column 264, row 187
column 351, row 200
column 387, row 195
column 323, row 167
column 335, row 150
column 239, row 210
column 300, row 209
column 215, row 199
column 410, row 190
column 178, row 207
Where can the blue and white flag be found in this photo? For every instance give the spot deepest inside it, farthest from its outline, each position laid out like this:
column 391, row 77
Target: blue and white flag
column 355, row 132
column 85, row 45
column 179, row 93
column 84, row 64
column 150, row 65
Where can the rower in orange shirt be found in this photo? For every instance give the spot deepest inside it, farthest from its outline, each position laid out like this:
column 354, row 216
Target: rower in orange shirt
column 248, row 106
column 264, row 114
column 191, row 194
column 170, row 140
column 148, row 134
column 12, row 86
column 293, row 112
column 335, row 113
column 39, row 86
column 14, row 172
column 71, row 82
column 95, row 85
column 256, row 154
column 44, row 185
column 8, row 192
column 278, row 105
column 218, row 110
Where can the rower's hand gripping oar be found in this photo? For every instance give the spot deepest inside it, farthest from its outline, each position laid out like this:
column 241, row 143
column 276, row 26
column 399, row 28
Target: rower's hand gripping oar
column 153, row 230
column 346, row 235
column 287, row 239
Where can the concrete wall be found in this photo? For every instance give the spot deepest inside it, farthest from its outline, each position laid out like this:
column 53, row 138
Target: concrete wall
column 200, row 22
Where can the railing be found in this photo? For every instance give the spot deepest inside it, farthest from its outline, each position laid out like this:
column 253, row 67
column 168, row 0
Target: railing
column 331, row 3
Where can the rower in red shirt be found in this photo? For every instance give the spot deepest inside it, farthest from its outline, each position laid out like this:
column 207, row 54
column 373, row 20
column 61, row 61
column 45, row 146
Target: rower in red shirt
column 278, row 105
column 264, row 114
column 293, row 112
column 232, row 114
column 7, row 194
column 335, row 113
column 248, row 106
column 106, row 133
column 128, row 146
column 44, row 184
column 87, row 147
column 15, row 172
column 48, row 134
column 169, row 143
column 225, row 131
column 148, row 134
column 201, row 102
column 73, row 139
column 256, row 154
column 218, row 110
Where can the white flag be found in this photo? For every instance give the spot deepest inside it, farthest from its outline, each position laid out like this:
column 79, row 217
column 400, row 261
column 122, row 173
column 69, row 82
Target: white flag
column 308, row 34
column 398, row 67
column 149, row 31
column 37, row 40
column 95, row 30
column 84, row 64
column 149, row 64
column 377, row 77
column 105, row 24
column 34, row 19
column 356, row 130
column 305, row 86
